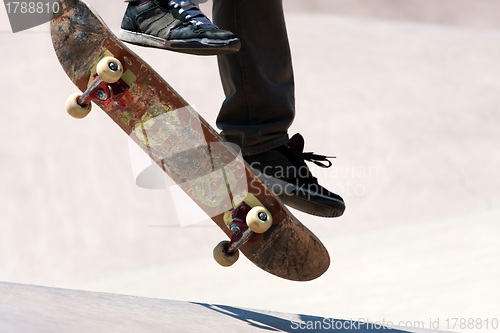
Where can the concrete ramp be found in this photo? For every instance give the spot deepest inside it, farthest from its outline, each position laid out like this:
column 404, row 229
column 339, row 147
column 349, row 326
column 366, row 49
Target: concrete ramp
column 26, row 308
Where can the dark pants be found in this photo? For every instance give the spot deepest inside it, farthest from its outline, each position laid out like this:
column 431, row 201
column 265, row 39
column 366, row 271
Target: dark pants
column 258, row 80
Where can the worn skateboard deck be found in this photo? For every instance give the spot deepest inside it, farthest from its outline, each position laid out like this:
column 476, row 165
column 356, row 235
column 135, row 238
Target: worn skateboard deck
column 183, row 144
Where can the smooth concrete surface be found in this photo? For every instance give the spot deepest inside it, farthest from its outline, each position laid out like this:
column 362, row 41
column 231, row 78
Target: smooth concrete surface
column 410, row 108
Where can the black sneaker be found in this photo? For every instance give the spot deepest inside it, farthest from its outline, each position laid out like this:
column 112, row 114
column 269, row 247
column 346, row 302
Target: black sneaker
column 167, row 25
column 285, row 172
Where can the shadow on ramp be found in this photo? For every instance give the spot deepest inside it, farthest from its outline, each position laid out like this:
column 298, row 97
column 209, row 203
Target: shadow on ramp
column 273, row 322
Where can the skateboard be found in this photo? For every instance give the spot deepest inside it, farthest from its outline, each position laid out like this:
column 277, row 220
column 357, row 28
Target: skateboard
column 210, row 171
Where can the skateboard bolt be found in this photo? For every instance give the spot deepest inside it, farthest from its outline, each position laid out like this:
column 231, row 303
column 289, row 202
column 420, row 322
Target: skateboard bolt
column 113, row 66
column 235, row 230
column 101, row 94
column 263, row 216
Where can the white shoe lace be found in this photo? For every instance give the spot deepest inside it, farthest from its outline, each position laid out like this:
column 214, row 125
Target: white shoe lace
column 194, row 14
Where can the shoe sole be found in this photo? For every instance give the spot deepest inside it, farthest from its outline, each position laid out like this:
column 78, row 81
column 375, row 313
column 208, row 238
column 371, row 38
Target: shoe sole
column 196, row 46
column 305, row 201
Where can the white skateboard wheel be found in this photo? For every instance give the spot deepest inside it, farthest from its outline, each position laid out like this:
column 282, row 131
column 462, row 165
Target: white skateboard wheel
column 76, row 110
column 259, row 220
column 109, row 69
column 222, row 257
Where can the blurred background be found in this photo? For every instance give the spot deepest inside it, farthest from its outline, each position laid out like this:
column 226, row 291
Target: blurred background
column 404, row 93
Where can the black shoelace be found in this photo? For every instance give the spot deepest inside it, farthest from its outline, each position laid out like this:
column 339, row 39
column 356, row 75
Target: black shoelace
column 320, row 160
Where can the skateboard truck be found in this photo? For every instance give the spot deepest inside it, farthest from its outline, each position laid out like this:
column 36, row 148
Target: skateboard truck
column 246, row 223
column 106, row 85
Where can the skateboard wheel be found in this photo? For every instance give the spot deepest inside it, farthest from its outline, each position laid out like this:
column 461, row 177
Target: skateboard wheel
column 109, row 69
column 259, row 220
column 222, row 257
column 76, row 110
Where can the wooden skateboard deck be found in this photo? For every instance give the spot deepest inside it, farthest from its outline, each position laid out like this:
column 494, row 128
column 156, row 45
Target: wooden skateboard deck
column 182, row 143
